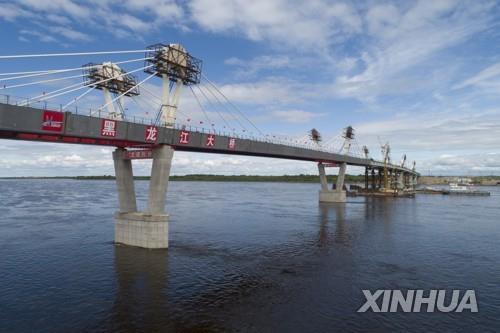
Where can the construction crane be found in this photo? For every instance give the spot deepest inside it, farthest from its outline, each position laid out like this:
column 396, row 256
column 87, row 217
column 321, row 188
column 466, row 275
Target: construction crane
column 366, row 152
column 386, row 150
column 315, row 136
column 348, row 136
column 403, row 161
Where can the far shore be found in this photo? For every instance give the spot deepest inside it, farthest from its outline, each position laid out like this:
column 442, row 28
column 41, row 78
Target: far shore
column 216, row 178
column 423, row 180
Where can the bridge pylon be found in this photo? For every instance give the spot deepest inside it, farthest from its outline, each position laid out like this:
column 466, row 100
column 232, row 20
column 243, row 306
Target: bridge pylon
column 111, row 79
column 337, row 193
column 147, row 229
column 177, row 68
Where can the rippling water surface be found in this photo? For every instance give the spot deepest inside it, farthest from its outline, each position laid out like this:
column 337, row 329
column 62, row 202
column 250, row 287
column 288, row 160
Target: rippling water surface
column 243, row 257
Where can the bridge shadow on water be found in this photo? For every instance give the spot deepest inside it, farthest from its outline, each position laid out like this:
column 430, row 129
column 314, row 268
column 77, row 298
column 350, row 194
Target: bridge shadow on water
column 140, row 301
column 145, row 300
column 205, row 287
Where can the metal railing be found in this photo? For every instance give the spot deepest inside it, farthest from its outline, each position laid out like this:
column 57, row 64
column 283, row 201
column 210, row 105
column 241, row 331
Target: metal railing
column 98, row 113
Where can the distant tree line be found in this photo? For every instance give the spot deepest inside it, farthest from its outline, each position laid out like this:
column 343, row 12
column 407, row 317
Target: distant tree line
column 217, row 178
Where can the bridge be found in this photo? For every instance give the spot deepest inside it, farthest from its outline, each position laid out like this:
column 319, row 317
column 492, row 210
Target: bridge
column 159, row 137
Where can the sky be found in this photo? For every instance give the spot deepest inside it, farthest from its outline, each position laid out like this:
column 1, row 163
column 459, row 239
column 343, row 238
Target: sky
column 421, row 75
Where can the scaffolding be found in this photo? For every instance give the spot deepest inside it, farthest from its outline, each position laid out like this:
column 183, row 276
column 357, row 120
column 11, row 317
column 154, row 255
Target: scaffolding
column 111, row 77
column 174, row 61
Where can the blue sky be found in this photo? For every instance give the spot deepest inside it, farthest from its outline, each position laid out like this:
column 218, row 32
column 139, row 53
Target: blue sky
column 423, row 75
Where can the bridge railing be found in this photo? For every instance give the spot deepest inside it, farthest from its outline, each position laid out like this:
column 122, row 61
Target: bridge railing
column 92, row 112
column 22, row 101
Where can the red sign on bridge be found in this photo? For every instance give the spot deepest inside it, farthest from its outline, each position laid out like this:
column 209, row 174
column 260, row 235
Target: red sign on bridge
column 108, row 128
column 184, row 137
column 210, row 140
column 151, row 134
column 53, row 121
column 139, row 154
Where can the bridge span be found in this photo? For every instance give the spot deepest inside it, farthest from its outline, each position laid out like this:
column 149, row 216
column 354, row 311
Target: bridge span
column 158, row 138
column 26, row 123
column 133, row 140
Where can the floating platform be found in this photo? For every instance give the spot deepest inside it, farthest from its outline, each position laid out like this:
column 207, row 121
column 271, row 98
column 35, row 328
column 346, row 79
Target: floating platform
column 428, row 190
column 392, row 194
column 468, row 192
column 453, row 192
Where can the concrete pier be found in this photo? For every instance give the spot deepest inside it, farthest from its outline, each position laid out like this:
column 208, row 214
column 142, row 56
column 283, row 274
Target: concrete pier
column 142, row 230
column 336, row 194
column 400, row 180
column 160, row 171
column 322, row 177
column 147, row 229
column 124, row 181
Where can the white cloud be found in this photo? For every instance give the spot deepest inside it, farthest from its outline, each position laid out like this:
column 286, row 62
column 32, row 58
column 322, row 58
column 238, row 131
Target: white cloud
column 161, row 8
column 43, row 37
column 272, row 91
column 324, row 50
column 127, row 19
column 10, row 12
column 70, row 33
column 47, row 159
column 59, row 19
column 407, row 39
column 68, row 7
column 481, row 78
column 382, row 20
column 132, row 22
column 466, row 165
column 311, row 24
column 296, row 116
column 432, row 132
column 260, row 64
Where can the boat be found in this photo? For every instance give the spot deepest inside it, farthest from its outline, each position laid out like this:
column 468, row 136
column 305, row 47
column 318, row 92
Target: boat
column 464, row 188
column 400, row 193
column 430, row 190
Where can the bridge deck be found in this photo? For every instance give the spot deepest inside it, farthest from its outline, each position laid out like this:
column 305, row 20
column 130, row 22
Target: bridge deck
column 26, row 123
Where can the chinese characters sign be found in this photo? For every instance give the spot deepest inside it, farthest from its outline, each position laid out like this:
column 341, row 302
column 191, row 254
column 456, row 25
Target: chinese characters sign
column 139, row 154
column 151, row 133
column 232, row 143
column 108, row 128
column 53, row 121
column 210, row 140
column 184, row 137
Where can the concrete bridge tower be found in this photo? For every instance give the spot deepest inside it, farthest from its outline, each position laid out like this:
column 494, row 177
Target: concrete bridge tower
column 111, row 79
column 337, row 193
column 149, row 229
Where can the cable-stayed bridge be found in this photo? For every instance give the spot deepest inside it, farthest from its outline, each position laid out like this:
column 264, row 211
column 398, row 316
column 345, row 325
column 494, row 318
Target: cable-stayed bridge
column 111, row 106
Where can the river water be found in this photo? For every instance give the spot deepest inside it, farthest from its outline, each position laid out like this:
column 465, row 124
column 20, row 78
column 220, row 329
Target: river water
column 243, row 257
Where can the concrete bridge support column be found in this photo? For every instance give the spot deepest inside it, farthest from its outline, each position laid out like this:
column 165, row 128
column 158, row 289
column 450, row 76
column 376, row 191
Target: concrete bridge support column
column 414, row 181
column 366, row 179
column 337, row 194
column 162, row 161
column 322, row 177
column 401, row 180
column 124, row 181
column 379, row 179
column 147, row 229
column 408, row 182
